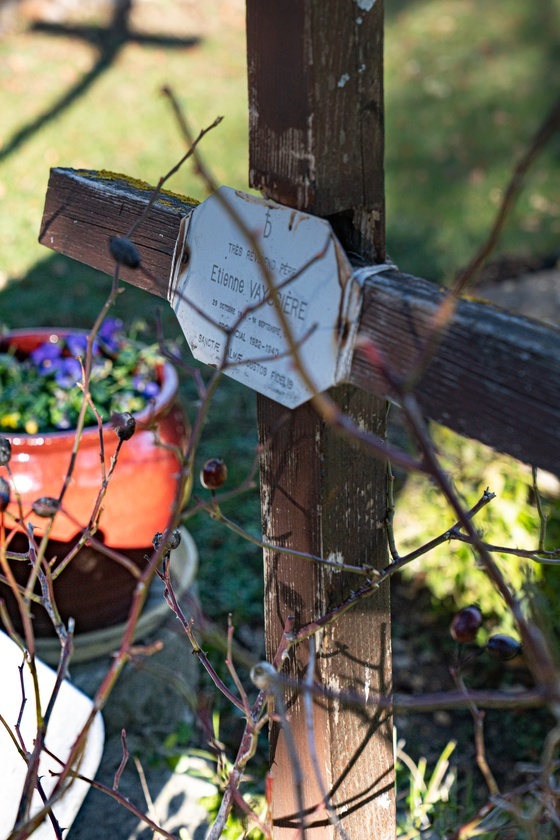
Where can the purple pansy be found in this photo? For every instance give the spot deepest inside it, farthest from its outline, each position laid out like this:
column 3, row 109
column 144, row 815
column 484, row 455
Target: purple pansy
column 146, row 387
column 109, row 332
column 46, row 357
column 77, row 345
column 68, row 372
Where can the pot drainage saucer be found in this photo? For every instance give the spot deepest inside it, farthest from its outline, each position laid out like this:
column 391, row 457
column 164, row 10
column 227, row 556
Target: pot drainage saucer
column 101, row 642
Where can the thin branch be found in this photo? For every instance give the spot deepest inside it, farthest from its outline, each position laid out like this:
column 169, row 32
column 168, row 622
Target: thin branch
column 408, row 704
column 550, row 558
column 153, row 198
column 123, row 762
column 126, row 803
column 174, row 605
column 371, row 586
column 217, row 515
column 478, row 719
column 231, row 668
column 311, row 744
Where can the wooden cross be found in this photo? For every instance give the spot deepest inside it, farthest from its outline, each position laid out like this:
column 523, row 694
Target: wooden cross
column 316, row 126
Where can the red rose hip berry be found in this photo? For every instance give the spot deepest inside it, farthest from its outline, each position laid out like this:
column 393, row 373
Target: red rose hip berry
column 466, row 624
column 213, row 474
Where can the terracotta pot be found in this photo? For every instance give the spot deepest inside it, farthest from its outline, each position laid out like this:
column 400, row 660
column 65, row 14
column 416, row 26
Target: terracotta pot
column 95, row 590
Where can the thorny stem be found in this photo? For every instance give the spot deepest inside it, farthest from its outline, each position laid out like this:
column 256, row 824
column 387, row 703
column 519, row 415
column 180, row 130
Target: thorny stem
column 12, row 737
column 248, row 743
column 217, row 515
column 370, row 587
column 245, row 752
column 189, row 153
column 187, row 625
column 122, row 800
column 478, row 718
column 537, row 654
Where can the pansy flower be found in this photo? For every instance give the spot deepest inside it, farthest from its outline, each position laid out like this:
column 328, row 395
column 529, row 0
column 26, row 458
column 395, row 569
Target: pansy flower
column 110, row 333
column 76, row 344
column 147, row 387
column 68, row 372
column 46, row 357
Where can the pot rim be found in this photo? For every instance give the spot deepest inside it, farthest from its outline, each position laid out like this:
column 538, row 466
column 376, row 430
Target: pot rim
column 169, row 385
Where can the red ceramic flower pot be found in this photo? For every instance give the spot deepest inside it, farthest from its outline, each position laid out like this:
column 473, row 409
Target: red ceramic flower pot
column 95, row 590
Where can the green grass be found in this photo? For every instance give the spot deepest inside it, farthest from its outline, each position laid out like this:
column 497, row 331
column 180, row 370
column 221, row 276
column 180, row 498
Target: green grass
column 121, row 122
column 467, row 83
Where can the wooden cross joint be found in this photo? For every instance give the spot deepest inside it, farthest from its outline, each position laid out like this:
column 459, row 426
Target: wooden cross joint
column 495, row 376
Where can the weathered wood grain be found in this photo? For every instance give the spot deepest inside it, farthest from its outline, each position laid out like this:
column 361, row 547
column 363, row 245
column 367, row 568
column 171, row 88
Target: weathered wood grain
column 84, row 209
column 316, row 109
column 495, row 377
column 316, row 106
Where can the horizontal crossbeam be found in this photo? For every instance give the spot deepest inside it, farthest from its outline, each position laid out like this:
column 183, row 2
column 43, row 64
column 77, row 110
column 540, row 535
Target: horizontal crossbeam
column 495, row 376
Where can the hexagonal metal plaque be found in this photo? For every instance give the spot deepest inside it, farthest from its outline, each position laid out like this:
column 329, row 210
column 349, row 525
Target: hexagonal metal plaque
column 253, row 279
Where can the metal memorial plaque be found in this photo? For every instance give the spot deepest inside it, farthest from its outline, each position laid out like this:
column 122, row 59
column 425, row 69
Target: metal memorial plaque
column 220, row 289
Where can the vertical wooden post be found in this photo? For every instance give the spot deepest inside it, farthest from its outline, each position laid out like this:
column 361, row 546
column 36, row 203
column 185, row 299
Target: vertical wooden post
column 316, row 143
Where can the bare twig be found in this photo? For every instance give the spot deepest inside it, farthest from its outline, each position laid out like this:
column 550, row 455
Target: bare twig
column 309, row 722
column 478, row 718
column 123, row 762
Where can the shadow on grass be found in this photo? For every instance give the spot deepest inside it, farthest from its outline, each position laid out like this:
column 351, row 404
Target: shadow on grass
column 109, row 41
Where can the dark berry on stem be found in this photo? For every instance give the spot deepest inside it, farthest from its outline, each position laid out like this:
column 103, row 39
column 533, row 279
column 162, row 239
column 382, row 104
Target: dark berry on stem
column 213, row 474
column 503, row 647
column 45, row 506
column 124, row 251
column 466, row 624
column 5, row 451
column 124, row 425
column 173, row 540
column 4, row 494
